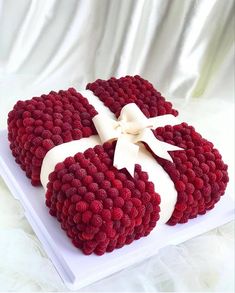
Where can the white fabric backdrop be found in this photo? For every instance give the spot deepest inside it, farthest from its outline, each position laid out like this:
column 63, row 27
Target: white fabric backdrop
column 186, row 48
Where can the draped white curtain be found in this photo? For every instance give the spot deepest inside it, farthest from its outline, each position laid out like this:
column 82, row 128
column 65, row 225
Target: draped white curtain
column 184, row 47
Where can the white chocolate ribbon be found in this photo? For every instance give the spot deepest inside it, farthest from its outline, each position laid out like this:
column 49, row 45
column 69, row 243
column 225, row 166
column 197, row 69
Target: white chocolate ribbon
column 162, row 182
column 130, row 129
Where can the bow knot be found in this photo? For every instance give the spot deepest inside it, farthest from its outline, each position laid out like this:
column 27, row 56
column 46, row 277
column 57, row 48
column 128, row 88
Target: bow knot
column 132, row 128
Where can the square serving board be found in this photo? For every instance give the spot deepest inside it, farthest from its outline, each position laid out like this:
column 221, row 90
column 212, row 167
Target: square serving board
column 76, row 269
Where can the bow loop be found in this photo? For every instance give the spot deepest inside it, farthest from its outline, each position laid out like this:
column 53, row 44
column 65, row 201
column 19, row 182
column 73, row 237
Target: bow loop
column 133, row 119
column 131, row 128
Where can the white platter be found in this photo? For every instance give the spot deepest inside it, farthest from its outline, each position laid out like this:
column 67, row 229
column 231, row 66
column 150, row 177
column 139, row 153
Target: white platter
column 76, row 269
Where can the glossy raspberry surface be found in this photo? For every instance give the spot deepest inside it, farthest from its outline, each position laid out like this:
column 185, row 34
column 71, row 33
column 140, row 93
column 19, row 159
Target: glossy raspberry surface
column 198, row 172
column 37, row 125
column 101, row 217
column 116, row 93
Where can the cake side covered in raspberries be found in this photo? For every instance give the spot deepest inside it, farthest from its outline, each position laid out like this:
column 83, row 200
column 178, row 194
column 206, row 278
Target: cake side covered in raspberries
column 101, row 208
column 198, row 172
column 115, row 93
column 37, row 125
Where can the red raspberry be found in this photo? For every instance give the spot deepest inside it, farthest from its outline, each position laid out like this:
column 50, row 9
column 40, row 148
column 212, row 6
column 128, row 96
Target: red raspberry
column 212, row 176
column 101, row 194
column 127, row 206
column 76, row 183
column 48, row 125
column 56, row 130
column 146, row 197
column 84, row 163
column 136, row 202
column 198, row 182
column 81, row 206
column 140, row 184
column 125, row 221
column 71, row 209
column 48, row 144
column 191, row 175
column 57, row 139
column 77, row 134
column 150, row 187
column 181, row 206
column 87, row 180
column 98, row 177
column 180, row 186
column 28, row 122
column 117, row 213
column 106, row 214
column 70, row 192
column 89, row 153
column 96, row 206
column 93, row 187
column 108, row 203
column 40, row 152
column 219, row 175
column 211, row 165
column 105, row 184
column 89, row 197
column 68, row 177
column 112, row 192
column 75, row 198
column 134, row 212
column 125, row 193
column 82, row 190
column 77, row 218
column 57, row 185
column 121, row 176
column 78, row 157
column 52, row 176
column 69, row 161
column 138, row 221
column 190, row 188
column 118, row 202
column 87, row 131
column 220, row 164
column 111, row 233
column 117, row 184
column 144, row 176
column 80, row 173
column 87, row 236
column 100, row 236
column 86, row 216
column 37, row 141
column 129, row 184
column 96, row 220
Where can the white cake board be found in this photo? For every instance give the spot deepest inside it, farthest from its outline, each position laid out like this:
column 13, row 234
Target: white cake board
column 76, row 269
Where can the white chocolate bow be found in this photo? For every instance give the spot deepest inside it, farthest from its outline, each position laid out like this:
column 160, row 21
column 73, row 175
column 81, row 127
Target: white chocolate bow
column 132, row 128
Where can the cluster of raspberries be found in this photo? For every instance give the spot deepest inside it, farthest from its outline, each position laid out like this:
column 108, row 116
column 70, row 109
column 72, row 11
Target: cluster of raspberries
column 199, row 173
column 37, row 125
column 116, row 93
column 100, row 207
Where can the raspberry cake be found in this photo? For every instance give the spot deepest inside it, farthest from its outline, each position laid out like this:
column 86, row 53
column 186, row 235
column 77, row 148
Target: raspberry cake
column 99, row 206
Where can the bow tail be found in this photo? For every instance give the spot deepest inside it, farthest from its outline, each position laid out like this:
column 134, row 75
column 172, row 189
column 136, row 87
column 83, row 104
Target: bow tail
column 160, row 148
column 125, row 155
